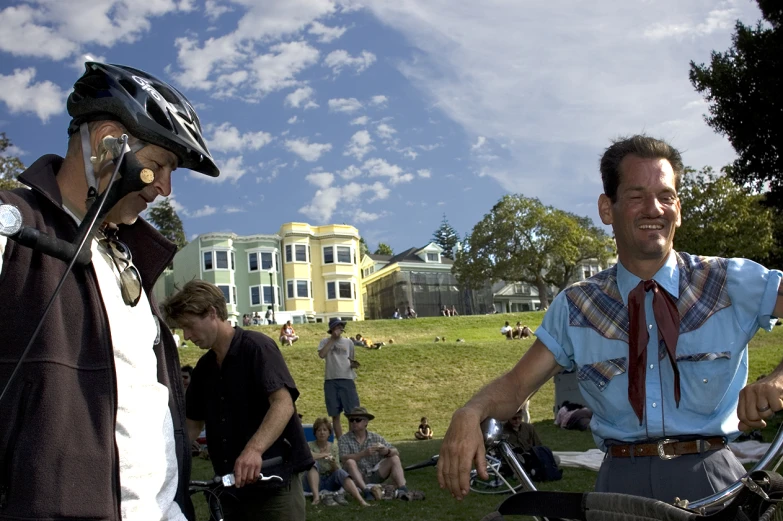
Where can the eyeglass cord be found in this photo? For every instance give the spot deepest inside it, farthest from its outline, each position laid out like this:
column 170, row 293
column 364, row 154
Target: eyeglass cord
column 86, row 233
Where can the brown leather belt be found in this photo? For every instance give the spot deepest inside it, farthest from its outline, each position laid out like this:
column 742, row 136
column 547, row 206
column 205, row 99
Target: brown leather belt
column 667, row 448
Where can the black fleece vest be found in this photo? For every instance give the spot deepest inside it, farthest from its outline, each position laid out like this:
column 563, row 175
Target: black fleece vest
column 58, row 457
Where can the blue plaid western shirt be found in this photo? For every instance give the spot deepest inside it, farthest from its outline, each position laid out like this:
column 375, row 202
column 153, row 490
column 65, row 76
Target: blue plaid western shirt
column 722, row 304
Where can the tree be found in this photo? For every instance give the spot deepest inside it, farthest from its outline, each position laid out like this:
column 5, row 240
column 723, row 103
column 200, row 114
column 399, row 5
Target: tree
column 722, row 219
column 744, row 89
column 165, row 219
column 384, row 249
column 446, row 237
column 10, row 166
column 363, row 248
column 521, row 240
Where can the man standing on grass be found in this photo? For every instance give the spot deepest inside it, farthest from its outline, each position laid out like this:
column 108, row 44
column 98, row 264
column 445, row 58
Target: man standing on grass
column 243, row 391
column 659, row 341
column 368, row 457
column 339, row 386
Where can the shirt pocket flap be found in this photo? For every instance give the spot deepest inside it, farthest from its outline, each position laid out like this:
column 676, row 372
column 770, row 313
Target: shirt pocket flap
column 601, row 373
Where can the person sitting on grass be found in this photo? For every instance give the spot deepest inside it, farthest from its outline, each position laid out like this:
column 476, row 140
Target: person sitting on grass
column 287, row 334
column 425, row 431
column 453, row 311
column 506, row 331
column 328, row 474
column 368, row 457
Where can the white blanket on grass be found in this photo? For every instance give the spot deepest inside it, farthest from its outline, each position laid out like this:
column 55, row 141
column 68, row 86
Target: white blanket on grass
column 746, row 452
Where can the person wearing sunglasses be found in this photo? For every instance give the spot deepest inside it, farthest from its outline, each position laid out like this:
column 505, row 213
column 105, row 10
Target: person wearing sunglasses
column 368, row 457
column 243, row 392
column 93, row 424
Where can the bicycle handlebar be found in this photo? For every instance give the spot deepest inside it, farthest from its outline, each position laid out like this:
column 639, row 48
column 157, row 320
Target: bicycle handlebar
column 228, row 480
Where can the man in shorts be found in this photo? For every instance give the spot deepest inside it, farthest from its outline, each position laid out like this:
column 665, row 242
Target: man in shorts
column 339, row 387
column 368, row 457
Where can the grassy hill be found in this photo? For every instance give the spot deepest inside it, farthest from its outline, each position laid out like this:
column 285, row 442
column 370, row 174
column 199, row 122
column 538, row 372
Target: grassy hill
column 417, row 376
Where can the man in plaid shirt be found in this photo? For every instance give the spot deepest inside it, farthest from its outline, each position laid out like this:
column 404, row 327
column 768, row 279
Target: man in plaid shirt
column 368, row 457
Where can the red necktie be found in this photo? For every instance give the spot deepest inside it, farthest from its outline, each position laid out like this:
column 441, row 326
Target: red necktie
column 668, row 320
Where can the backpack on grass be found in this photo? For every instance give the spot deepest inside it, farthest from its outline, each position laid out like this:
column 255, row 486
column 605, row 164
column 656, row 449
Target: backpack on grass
column 540, row 464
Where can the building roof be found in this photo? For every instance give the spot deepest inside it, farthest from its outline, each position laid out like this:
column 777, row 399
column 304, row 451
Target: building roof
column 409, row 255
column 379, row 258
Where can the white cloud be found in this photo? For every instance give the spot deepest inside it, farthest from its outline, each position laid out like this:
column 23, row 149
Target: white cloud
column 199, row 62
column 351, row 172
column 227, row 138
column 306, row 150
column 380, row 99
column 214, row 9
column 292, row 120
column 360, row 216
column 425, row 173
column 480, row 142
column 203, row 212
column 409, row 153
column 301, row 97
column 12, row 151
column 326, row 34
column 276, row 70
column 717, row 19
column 21, row 94
column 548, row 103
column 340, row 59
column 377, row 167
column 347, row 105
column 233, row 209
column 386, row 132
column 58, row 30
column 231, row 169
column 361, row 120
column 359, row 145
column 325, row 201
column 320, row 179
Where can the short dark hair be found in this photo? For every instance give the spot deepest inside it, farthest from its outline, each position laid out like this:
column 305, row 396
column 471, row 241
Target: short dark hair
column 187, row 369
column 196, row 298
column 642, row 146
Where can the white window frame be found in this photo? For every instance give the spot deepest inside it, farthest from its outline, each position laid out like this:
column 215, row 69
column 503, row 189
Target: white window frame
column 427, row 256
column 262, row 300
column 259, row 260
column 221, row 286
column 295, row 283
column 337, row 283
column 323, row 254
column 230, row 259
column 293, row 246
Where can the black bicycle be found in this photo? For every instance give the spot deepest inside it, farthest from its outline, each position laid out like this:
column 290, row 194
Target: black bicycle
column 214, row 488
column 754, row 497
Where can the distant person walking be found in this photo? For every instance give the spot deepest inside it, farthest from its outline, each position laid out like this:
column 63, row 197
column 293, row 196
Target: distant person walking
column 339, row 387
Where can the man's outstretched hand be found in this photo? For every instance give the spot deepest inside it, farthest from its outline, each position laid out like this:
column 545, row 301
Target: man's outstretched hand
column 759, row 401
column 462, row 448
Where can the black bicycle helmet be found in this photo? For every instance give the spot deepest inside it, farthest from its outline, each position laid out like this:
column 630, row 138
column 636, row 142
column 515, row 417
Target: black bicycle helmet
column 151, row 110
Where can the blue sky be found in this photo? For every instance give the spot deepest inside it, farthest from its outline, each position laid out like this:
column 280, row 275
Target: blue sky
column 381, row 114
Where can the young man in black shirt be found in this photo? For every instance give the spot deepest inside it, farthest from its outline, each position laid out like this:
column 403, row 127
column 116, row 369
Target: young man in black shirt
column 243, row 391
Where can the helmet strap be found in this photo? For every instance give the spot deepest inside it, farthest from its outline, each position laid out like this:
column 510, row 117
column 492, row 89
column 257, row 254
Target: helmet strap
column 89, row 171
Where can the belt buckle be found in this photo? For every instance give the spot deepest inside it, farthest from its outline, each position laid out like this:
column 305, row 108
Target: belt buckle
column 661, row 453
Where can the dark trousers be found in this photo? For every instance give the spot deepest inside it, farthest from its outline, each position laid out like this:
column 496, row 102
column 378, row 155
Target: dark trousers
column 691, row 476
column 283, row 504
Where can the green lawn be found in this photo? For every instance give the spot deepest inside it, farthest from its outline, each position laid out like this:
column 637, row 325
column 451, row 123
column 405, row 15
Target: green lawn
column 417, row 376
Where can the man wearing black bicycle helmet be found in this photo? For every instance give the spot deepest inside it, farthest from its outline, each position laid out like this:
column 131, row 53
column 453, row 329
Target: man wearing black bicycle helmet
column 93, row 425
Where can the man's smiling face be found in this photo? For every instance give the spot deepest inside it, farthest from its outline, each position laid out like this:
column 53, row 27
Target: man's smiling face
column 647, row 211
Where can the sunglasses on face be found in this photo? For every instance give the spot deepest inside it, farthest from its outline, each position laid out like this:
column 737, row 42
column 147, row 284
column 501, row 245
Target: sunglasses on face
column 355, row 420
column 130, row 278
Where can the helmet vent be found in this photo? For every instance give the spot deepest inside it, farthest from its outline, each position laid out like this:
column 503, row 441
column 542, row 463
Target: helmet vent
column 129, row 86
column 157, row 114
